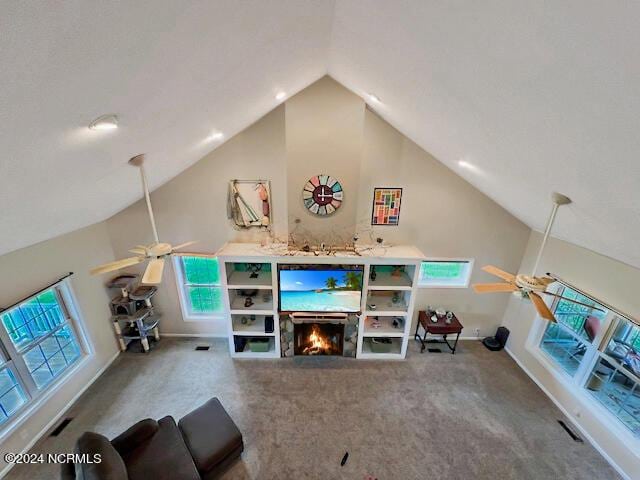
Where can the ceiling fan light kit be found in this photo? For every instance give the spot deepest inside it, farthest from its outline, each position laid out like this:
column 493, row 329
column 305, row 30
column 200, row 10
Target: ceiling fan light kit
column 155, row 253
column 530, row 286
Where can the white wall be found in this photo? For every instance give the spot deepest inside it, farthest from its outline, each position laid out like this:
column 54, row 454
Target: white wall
column 30, row 269
column 324, row 130
column 193, row 206
column 445, row 217
column 327, row 129
column 608, row 280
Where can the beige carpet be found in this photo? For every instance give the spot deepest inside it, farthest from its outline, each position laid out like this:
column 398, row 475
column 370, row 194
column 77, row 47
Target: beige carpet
column 472, row 415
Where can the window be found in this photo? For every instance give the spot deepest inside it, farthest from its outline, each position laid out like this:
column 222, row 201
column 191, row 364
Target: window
column 38, row 344
column 445, row 273
column 199, row 286
column 600, row 350
column 614, row 381
column 567, row 341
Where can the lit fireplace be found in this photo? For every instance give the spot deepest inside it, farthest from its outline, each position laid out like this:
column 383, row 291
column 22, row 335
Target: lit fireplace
column 318, row 338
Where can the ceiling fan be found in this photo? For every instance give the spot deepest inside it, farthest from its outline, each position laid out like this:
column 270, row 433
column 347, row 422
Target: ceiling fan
column 530, row 285
column 155, row 253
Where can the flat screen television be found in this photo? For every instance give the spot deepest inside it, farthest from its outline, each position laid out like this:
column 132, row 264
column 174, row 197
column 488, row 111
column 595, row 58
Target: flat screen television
column 320, row 288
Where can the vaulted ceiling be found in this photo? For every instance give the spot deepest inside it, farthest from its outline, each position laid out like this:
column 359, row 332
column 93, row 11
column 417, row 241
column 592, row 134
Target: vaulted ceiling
column 533, row 97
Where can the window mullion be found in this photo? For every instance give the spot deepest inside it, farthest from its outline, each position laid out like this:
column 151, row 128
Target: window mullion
column 19, row 366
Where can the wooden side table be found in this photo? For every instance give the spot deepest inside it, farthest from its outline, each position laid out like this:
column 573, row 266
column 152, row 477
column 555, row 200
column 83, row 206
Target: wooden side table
column 441, row 327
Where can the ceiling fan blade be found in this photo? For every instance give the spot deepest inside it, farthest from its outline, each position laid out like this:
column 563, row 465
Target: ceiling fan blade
column 117, row 265
column 184, row 245
column 546, row 280
column 494, row 287
column 509, row 277
column 153, row 273
column 541, row 307
column 573, row 301
column 139, row 251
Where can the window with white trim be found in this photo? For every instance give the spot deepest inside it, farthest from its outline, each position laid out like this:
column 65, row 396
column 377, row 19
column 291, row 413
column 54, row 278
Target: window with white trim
column 614, row 380
column 445, row 273
column 598, row 352
column 567, row 341
column 38, row 344
column 199, row 286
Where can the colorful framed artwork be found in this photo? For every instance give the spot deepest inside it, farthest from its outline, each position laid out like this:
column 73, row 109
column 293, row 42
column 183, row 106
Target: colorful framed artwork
column 386, row 206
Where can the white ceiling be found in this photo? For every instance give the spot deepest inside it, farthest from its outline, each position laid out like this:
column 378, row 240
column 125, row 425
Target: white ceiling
column 537, row 96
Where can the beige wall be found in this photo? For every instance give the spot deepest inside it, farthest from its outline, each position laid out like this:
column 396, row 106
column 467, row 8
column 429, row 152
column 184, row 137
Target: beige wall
column 324, row 129
column 193, row 206
column 444, row 216
column 608, row 280
column 32, row 268
column 327, row 129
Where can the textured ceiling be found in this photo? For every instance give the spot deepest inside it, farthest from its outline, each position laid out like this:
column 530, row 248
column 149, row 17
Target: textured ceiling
column 536, row 97
column 174, row 72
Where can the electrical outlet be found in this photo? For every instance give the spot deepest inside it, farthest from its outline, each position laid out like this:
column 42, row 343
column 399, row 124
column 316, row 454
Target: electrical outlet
column 477, row 332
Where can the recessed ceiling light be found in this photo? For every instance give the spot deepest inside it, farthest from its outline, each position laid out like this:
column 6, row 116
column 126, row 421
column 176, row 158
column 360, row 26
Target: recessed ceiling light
column 214, row 137
column 105, row 122
column 280, row 96
column 470, row 166
column 374, row 98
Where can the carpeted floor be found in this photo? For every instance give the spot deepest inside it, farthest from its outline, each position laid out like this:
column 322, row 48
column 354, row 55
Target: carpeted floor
column 472, row 415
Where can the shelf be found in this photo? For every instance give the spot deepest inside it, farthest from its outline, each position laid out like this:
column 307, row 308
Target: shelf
column 386, row 328
column 394, row 354
column 384, row 306
column 385, row 281
column 243, row 280
column 247, row 353
column 255, row 329
column 259, row 305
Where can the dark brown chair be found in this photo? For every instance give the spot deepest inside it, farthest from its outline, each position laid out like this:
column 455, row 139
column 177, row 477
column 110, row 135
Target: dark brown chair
column 201, row 446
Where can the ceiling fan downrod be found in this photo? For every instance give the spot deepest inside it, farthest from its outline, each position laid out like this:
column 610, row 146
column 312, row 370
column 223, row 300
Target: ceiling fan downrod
column 558, row 201
column 138, row 161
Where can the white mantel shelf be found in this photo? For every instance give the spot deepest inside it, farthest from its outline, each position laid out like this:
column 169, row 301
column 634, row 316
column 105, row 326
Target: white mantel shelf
column 234, row 278
column 280, row 252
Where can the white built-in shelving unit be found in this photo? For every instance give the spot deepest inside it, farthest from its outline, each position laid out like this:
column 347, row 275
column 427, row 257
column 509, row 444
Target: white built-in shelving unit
column 377, row 295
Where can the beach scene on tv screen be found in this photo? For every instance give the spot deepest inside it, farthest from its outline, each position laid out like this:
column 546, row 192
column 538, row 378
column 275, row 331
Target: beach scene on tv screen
column 320, row 290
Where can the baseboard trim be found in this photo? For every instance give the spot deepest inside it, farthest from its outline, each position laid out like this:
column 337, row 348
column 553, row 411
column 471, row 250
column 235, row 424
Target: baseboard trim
column 192, row 335
column 557, row 403
column 61, row 413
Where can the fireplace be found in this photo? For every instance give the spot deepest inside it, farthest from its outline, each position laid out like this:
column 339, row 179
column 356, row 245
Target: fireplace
column 308, row 333
column 321, row 338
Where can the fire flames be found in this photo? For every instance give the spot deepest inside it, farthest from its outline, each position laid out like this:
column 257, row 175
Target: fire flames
column 318, row 343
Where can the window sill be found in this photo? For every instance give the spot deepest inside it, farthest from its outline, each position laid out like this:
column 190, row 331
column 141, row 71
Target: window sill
column 443, row 286
column 204, row 318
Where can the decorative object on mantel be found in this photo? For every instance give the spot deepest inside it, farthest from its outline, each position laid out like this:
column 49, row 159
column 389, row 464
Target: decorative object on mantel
column 322, row 195
column 386, row 206
column 249, row 203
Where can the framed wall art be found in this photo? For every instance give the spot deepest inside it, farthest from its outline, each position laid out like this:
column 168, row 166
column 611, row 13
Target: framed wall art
column 386, row 206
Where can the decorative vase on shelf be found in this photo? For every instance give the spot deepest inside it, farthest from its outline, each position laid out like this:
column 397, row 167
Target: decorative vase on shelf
column 395, row 299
